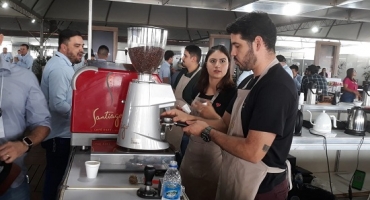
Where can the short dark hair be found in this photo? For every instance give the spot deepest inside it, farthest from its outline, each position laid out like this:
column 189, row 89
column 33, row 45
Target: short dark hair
column 281, row 58
column 103, row 50
column 255, row 24
column 226, row 82
column 25, row 45
column 322, row 68
column 194, row 50
column 92, row 54
column 168, row 54
column 313, row 69
column 295, row 67
column 65, row 35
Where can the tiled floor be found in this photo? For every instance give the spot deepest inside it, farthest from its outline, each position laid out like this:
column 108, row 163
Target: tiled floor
column 35, row 161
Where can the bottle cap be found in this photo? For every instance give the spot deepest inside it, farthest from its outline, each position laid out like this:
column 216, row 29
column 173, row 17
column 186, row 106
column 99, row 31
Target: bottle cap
column 173, row 163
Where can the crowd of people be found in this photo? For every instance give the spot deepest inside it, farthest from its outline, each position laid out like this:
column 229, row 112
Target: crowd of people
column 236, row 135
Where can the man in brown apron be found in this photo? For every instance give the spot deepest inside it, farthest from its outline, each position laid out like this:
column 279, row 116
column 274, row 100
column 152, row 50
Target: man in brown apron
column 260, row 119
column 185, row 85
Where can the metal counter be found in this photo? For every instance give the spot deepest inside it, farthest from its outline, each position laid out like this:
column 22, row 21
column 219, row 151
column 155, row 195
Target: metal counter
column 342, row 141
column 107, row 185
column 115, row 185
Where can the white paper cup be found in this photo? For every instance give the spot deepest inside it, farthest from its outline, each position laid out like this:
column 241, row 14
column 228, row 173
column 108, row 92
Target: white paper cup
column 92, row 168
column 186, row 108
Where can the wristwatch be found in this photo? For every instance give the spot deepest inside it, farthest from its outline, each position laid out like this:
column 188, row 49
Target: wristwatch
column 27, row 141
column 205, row 134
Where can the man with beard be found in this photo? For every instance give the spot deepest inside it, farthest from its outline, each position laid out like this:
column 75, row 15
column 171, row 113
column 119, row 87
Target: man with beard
column 56, row 86
column 259, row 121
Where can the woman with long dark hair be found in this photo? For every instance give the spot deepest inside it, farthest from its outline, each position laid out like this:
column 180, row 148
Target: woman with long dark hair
column 200, row 167
column 350, row 87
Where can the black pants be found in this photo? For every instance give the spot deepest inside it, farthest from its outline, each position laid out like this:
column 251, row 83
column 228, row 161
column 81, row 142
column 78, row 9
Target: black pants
column 57, row 154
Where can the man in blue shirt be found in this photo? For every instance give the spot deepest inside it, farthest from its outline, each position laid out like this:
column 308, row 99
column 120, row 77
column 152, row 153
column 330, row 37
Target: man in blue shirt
column 25, row 59
column 296, row 77
column 23, row 106
column 165, row 71
column 56, row 86
column 282, row 61
column 6, row 56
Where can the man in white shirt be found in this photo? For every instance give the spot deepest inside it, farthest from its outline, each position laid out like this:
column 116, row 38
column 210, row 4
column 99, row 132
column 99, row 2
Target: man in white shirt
column 165, row 71
column 25, row 59
column 282, row 61
column 6, row 56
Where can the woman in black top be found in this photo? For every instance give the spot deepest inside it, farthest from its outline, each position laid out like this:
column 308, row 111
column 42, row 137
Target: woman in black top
column 201, row 164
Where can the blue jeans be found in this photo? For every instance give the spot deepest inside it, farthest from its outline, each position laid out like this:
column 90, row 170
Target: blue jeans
column 183, row 146
column 57, row 155
column 347, row 97
column 21, row 192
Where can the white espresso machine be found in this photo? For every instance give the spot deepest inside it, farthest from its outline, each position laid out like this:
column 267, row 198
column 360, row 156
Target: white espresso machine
column 117, row 112
column 140, row 127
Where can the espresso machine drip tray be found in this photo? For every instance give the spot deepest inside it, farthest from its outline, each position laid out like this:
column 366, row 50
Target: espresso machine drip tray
column 129, row 160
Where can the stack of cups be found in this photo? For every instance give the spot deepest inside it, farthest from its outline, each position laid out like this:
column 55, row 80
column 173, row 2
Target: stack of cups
column 92, row 168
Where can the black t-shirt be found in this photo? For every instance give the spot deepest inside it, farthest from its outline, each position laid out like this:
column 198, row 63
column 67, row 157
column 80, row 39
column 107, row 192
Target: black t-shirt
column 271, row 106
column 222, row 101
column 190, row 91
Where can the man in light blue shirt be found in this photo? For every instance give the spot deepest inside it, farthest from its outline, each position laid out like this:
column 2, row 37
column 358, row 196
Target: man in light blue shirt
column 242, row 76
column 56, row 86
column 6, row 56
column 296, row 77
column 282, row 61
column 23, row 106
column 25, row 59
column 165, row 71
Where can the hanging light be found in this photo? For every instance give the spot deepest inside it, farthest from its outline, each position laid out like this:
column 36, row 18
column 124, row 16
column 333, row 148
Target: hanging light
column 315, row 29
column 33, row 21
column 5, row 5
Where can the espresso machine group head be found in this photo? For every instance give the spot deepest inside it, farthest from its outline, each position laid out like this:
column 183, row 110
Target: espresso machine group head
column 140, row 126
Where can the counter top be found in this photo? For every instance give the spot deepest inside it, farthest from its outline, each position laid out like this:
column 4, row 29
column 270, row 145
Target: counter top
column 107, row 185
column 327, row 107
column 342, row 141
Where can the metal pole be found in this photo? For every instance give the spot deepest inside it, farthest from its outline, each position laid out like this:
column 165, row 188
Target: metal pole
column 42, row 39
column 89, row 34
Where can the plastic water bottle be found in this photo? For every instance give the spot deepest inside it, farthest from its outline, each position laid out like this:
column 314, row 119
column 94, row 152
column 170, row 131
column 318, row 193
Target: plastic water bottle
column 171, row 188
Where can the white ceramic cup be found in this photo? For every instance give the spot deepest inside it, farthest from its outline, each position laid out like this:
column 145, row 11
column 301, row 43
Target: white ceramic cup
column 92, row 168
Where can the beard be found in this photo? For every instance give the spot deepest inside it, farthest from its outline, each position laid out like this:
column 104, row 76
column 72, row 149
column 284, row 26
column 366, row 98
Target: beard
column 248, row 61
column 73, row 58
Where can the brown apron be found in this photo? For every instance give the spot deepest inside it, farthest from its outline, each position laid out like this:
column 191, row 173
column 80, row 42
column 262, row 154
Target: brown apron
column 183, row 82
column 174, row 135
column 200, row 168
column 240, row 179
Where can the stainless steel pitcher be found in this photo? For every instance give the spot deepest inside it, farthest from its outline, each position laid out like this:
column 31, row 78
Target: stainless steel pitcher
column 311, row 93
column 356, row 121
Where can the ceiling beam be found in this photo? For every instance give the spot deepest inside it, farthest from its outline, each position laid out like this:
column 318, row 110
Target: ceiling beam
column 149, row 13
column 359, row 30
column 47, row 10
column 24, row 10
column 19, row 24
column 34, row 4
column 108, row 11
column 331, row 26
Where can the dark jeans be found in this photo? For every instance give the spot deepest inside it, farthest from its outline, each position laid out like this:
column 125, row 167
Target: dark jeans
column 22, row 192
column 57, row 154
column 280, row 192
column 183, row 146
column 347, row 97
